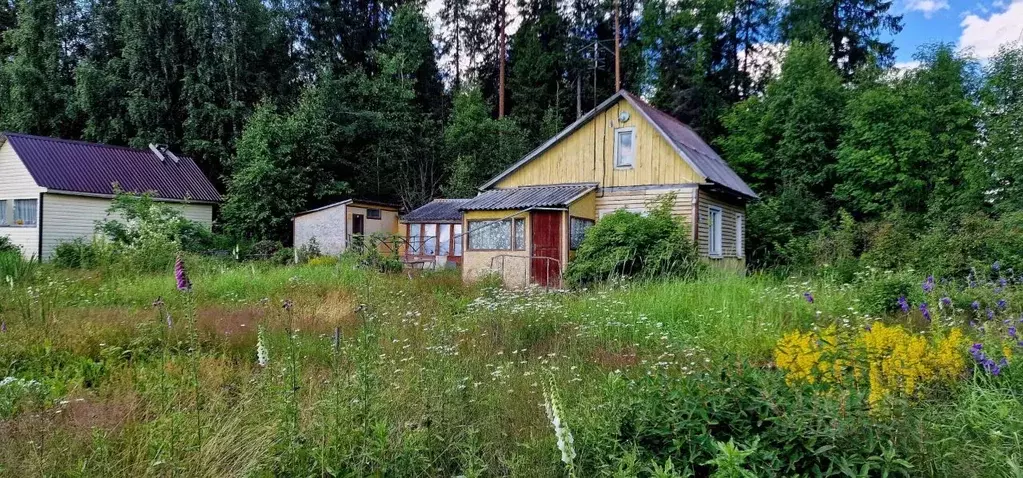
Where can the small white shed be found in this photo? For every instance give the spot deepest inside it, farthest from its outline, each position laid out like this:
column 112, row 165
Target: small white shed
column 333, row 225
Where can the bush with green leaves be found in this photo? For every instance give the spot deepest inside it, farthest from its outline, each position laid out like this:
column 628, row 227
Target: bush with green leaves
column 80, row 254
column 6, row 245
column 627, row 244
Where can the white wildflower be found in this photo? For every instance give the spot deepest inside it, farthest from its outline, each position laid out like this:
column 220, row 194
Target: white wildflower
column 566, row 443
column 262, row 357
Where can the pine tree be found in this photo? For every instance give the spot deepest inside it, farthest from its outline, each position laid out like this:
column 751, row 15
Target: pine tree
column 537, row 67
column 853, row 30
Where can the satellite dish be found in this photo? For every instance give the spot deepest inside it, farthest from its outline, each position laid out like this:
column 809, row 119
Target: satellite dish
column 623, row 117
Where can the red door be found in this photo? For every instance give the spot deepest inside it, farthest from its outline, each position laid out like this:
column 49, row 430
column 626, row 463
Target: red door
column 546, row 262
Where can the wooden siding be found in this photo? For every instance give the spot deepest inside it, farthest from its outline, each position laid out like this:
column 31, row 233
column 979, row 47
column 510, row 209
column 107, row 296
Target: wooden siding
column 17, row 183
column 67, row 217
column 729, row 211
column 587, row 155
column 644, row 199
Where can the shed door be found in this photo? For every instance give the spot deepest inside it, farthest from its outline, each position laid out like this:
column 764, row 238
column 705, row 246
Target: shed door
column 546, row 255
column 358, row 224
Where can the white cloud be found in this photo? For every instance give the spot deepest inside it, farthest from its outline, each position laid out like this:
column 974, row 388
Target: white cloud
column 927, row 7
column 985, row 35
column 907, row 65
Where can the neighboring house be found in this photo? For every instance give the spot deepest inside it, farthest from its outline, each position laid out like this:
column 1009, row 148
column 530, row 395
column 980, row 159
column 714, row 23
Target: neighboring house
column 434, row 233
column 334, row 226
column 55, row 190
column 624, row 154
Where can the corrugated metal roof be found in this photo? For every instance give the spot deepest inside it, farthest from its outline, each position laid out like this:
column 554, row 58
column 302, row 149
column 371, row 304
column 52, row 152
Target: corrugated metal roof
column 693, row 149
column 704, row 158
column 90, row 168
column 527, row 196
column 438, row 210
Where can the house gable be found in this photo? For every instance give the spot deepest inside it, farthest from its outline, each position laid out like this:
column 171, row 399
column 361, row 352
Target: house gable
column 584, row 153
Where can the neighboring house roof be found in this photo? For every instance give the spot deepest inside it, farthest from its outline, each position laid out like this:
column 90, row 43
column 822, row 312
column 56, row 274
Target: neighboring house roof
column 380, row 204
column 77, row 167
column 525, row 197
column 438, row 210
column 690, row 147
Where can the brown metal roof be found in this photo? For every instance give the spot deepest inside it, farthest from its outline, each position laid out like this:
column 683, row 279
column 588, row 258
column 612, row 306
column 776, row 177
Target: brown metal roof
column 527, row 197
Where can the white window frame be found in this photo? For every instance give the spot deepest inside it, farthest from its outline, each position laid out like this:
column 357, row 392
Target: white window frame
column 26, row 222
column 740, row 223
column 714, row 218
column 4, row 215
column 619, row 164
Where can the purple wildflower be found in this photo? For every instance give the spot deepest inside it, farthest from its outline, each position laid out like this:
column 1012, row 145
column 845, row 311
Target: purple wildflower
column 808, row 296
column 945, row 301
column 989, row 365
column 990, row 314
column 997, row 266
column 903, row 304
column 1002, row 282
column 928, row 285
column 924, row 311
column 181, row 275
column 975, row 305
column 1002, row 304
column 1012, row 332
column 3, row 326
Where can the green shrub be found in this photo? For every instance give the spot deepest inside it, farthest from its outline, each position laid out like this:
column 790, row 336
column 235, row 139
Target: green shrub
column 309, row 250
column 626, row 244
column 7, row 246
column 283, row 256
column 79, row 254
column 880, row 295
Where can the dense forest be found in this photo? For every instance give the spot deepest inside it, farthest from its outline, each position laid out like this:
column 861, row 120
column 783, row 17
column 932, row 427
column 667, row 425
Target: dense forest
column 289, row 105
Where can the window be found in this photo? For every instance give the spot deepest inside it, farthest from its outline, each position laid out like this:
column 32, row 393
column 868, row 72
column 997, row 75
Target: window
column 3, row 213
column 494, row 235
column 458, row 240
column 714, row 236
column 25, row 212
column 520, row 234
column 372, row 214
column 739, row 249
column 443, row 239
column 625, row 147
column 429, row 239
column 415, row 238
column 578, row 226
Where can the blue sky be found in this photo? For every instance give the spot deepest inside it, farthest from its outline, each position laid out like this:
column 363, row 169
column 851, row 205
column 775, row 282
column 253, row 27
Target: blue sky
column 978, row 25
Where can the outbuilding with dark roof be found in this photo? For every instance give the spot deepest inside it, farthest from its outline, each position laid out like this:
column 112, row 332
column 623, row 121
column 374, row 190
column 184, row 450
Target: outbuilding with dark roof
column 55, row 190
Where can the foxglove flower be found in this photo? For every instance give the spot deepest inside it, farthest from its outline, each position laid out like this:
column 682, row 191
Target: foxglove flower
column 262, row 357
column 808, row 296
column 181, row 275
column 928, row 285
column 903, row 304
column 925, row 311
column 566, row 444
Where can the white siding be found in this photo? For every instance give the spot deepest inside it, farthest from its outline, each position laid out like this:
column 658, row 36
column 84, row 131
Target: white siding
column 326, row 225
column 17, row 183
column 67, row 217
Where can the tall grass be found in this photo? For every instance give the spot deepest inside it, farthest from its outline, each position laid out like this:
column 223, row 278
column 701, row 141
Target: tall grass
column 397, row 375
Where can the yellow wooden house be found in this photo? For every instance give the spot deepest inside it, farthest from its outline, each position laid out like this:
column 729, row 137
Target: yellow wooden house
column 624, row 154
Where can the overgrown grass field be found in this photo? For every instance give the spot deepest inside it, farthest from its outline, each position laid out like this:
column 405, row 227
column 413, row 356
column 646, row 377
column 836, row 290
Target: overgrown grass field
column 331, row 370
